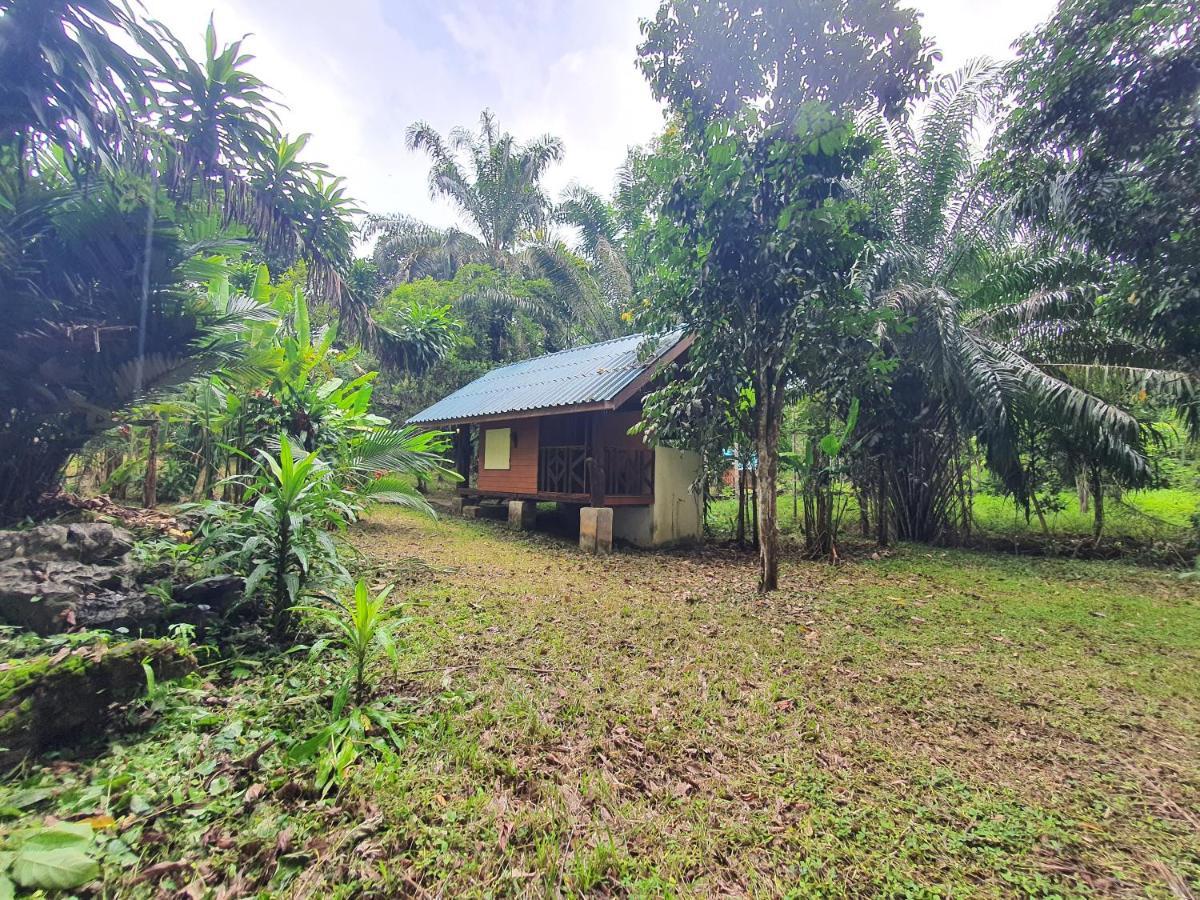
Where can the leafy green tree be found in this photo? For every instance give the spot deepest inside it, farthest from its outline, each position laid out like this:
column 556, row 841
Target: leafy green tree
column 1104, row 148
column 757, row 242
column 711, row 60
column 425, row 328
column 758, row 238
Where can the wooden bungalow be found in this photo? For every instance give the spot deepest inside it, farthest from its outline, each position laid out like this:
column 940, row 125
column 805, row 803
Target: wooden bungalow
column 557, row 428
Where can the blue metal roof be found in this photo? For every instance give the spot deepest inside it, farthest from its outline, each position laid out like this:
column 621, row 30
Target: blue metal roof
column 596, row 373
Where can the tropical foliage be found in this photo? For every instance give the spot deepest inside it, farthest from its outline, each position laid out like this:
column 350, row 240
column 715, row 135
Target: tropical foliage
column 932, row 302
column 519, row 288
column 948, row 268
column 113, row 162
column 767, row 239
column 1103, row 148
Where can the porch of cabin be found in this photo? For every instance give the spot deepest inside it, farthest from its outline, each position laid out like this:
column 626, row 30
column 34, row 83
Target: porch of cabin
column 582, row 458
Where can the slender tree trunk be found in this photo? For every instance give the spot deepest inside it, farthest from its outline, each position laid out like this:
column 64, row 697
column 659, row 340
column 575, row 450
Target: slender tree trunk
column 767, row 427
column 795, row 483
column 150, row 483
column 754, row 510
column 1097, row 487
column 282, row 613
column 1037, row 508
column 1081, row 488
column 863, row 494
column 201, row 487
column 881, row 508
column 741, row 488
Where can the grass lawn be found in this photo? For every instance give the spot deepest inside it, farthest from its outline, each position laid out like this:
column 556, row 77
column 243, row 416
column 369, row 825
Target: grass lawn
column 930, row 723
column 1162, row 514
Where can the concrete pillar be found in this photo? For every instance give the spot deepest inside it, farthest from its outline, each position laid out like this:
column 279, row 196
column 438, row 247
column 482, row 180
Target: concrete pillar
column 471, row 511
column 522, row 514
column 596, row 529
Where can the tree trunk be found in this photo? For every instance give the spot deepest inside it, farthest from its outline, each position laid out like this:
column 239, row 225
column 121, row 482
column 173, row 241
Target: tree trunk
column 863, row 494
column 795, row 483
column 1037, row 508
column 767, row 475
column 150, row 484
column 754, row 510
column 1097, row 488
column 881, row 508
column 1081, row 488
column 201, row 486
column 741, row 488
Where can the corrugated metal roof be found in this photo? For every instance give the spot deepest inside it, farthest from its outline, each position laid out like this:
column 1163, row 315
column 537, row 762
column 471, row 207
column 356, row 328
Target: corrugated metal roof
column 593, row 374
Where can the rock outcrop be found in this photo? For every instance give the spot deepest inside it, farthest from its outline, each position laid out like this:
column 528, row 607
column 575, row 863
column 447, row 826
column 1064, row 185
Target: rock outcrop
column 64, row 699
column 56, row 578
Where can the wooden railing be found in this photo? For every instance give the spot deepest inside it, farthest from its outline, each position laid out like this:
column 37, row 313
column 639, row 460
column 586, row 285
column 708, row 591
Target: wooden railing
column 563, row 470
column 628, row 473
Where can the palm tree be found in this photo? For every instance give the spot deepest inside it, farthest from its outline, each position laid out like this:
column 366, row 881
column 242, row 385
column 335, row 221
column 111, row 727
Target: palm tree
column 494, row 181
column 498, row 189
column 948, row 253
column 99, row 190
column 64, row 76
column 601, row 241
column 407, row 249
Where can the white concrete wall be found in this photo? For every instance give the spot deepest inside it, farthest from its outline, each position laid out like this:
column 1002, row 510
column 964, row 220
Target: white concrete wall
column 677, row 514
column 634, row 524
column 678, row 510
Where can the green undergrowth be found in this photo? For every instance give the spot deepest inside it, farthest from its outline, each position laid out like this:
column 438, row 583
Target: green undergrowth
column 924, row 724
column 1160, row 516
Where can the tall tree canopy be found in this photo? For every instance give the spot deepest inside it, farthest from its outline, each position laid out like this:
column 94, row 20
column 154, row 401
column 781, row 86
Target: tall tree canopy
column 715, row 57
column 1104, row 141
column 765, row 95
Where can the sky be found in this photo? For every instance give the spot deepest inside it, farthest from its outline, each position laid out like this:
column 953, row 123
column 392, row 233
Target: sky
column 357, row 73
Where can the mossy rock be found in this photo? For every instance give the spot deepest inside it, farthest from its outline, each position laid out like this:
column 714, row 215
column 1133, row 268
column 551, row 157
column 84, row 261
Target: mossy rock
column 55, row 701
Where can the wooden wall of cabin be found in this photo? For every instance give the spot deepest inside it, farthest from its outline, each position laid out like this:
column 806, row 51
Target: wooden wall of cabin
column 615, row 427
column 521, row 475
column 529, row 434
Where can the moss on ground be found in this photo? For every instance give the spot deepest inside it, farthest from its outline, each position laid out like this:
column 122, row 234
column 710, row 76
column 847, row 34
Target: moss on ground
column 62, row 699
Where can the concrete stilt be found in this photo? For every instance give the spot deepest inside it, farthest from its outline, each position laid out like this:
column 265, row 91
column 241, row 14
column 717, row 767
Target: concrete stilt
column 522, row 514
column 596, row 529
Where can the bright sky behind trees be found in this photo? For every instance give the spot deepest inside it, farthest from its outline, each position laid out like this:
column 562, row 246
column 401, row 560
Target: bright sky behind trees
column 356, row 73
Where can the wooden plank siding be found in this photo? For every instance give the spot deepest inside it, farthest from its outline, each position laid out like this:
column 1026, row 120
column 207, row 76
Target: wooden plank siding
column 521, row 475
column 615, row 429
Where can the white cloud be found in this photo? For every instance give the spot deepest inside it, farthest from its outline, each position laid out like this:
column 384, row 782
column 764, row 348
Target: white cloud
column 356, row 73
